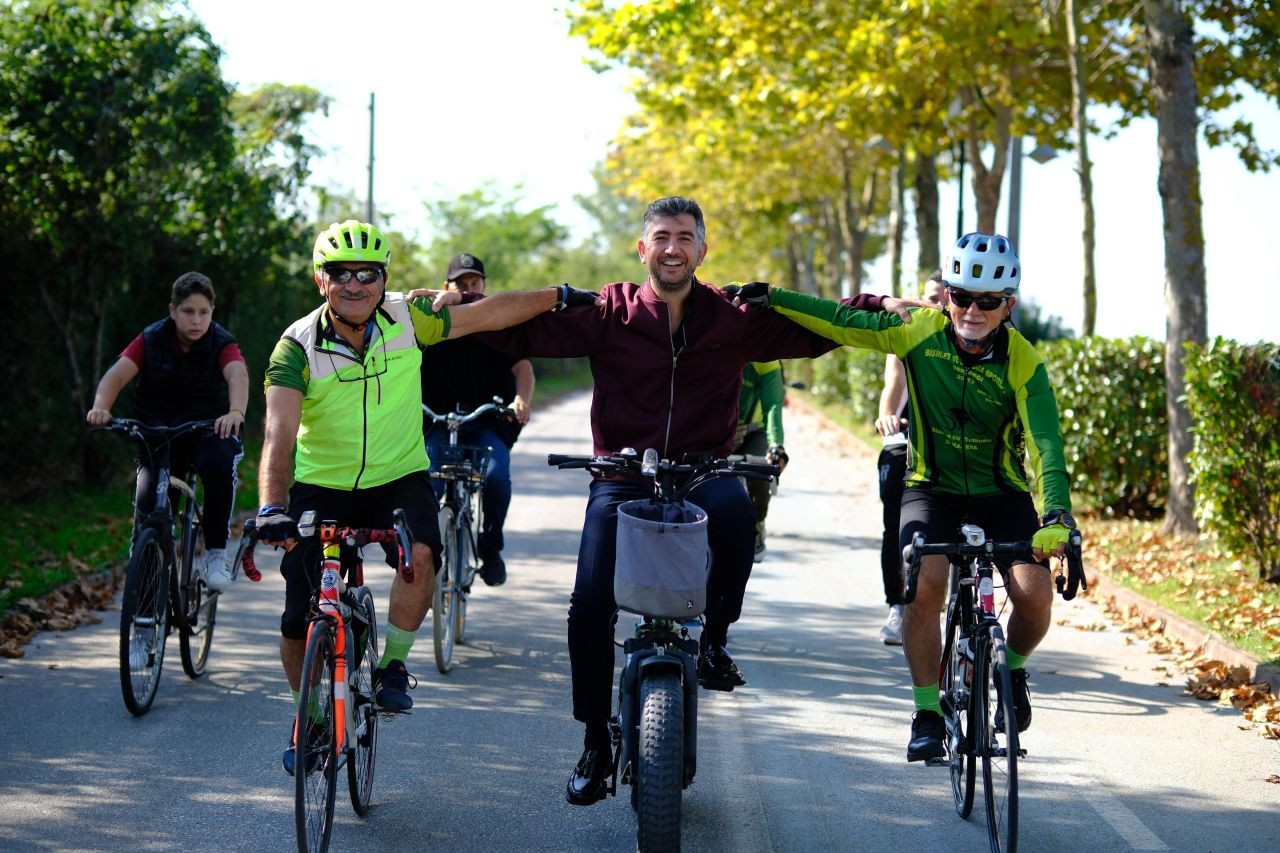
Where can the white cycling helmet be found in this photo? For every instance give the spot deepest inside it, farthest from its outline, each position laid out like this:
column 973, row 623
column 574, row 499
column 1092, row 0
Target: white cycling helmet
column 983, row 263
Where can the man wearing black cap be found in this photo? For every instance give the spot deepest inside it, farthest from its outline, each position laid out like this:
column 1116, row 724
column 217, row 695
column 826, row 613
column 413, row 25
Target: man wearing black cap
column 465, row 374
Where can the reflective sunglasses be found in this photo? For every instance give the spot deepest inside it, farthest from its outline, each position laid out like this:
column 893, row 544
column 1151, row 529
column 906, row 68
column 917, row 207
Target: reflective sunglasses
column 342, row 275
column 963, row 299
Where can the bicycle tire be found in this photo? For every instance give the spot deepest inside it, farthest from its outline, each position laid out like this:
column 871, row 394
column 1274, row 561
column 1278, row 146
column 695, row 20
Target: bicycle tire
column 467, row 570
column 197, row 607
column 364, row 745
column 659, row 777
column 957, row 712
column 315, row 741
column 144, row 618
column 1000, row 749
column 444, row 598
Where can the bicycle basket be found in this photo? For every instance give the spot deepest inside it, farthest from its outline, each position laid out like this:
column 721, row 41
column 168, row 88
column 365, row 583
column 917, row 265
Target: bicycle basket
column 459, row 461
column 662, row 559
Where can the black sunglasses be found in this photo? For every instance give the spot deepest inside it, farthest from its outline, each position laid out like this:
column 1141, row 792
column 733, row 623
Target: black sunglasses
column 342, row 275
column 962, row 300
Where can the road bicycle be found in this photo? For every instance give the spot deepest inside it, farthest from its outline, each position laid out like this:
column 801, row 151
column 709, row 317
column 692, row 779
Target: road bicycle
column 976, row 689
column 337, row 718
column 462, row 468
column 163, row 582
column 660, row 575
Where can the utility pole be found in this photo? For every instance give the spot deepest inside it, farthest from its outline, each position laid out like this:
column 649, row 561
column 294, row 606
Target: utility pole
column 368, row 208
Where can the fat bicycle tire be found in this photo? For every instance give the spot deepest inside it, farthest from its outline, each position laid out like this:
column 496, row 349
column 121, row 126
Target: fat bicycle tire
column 364, row 745
column 196, row 606
column 444, row 599
column 659, row 777
column 1000, row 749
column 315, row 743
column 144, row 622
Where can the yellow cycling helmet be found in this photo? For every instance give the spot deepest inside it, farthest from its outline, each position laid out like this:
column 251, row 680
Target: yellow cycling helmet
column 350, row 241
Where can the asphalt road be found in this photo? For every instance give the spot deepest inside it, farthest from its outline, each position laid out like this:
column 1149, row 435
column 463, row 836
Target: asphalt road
column 809, row 756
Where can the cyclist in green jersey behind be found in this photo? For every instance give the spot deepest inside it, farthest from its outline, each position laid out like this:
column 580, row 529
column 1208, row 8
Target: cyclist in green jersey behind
column 759, row 432
column 979, row 400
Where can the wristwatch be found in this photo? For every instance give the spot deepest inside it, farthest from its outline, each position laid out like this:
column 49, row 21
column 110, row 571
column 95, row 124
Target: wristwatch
column 1059, row 516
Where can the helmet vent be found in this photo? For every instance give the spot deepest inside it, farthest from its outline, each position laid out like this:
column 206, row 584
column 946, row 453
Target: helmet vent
column 982, row 246
column 364, row 239
column 999, row 272
column 955, row 266
column 977, row 271
column 346, row 235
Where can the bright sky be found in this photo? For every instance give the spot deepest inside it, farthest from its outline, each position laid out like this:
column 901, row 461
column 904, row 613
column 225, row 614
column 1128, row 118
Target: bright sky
column 469, row 92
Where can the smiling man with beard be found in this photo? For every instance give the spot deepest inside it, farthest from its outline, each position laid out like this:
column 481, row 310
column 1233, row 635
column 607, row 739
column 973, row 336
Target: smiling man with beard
column 667, row 357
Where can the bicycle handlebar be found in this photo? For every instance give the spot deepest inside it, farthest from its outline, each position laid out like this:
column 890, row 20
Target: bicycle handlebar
column 141, row 431
column 460, row 418
column 1067, row 585
column 328, row 532
column 664, row 471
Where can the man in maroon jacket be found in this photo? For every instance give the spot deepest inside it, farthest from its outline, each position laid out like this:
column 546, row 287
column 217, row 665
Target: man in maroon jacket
column 667, row 357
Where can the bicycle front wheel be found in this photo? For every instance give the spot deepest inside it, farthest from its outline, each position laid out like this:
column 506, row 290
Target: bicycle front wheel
column 1000, row 749
column 364, row 745
column 660, row 770
column 468, row 566
column 196, row 606
column 144, row 622
column 444, row 600
column 315, row 766
column 956, row 677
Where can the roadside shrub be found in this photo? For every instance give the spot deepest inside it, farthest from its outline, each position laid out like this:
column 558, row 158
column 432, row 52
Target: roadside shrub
column 846, row 376
column 1111, row 403
column 1233, row 395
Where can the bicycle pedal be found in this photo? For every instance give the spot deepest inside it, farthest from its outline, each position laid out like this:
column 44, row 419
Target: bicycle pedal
column 937, row 761
column 386, row 715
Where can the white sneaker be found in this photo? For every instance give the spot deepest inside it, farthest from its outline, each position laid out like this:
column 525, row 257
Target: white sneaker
column 216, row 574
column 760, row 547
column 891, row 633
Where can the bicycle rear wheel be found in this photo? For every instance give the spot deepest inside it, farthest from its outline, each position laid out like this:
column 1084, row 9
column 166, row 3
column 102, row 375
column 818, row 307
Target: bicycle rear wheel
column 999, row 748
column 196, row 606
column 364, row 746
column 144, row 622
column 444, row 600
column 315, row 773
column 956, row 679
column 659, row 777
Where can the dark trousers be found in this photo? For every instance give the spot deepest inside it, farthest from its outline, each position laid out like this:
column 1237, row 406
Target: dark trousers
column 893, row 468
column 495, row 499
column 731, row 538
column 215, row 460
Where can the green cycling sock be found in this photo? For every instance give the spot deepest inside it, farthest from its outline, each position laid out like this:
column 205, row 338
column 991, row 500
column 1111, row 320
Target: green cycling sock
column 1016, row 661
column 927, row 698
column 316, row 713
column 399, row 641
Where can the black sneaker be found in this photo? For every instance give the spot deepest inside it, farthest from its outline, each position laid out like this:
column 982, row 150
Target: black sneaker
column 716, row 669
column 315, row 750
column 1021, row 701
column 493, row 571
column 391, row 686
column 589, row 782
column 927, row 732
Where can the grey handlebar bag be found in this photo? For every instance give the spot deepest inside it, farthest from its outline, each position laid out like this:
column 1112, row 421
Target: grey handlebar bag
column 662, row 559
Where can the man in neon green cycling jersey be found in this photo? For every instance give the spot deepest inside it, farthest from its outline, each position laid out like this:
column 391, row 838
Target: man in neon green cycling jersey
column 759, row 432
column 979, row 399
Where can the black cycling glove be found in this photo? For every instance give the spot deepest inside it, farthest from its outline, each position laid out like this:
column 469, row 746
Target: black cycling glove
column 568, row 297
column 274, row 525
column 751, row 293
column 777, row 455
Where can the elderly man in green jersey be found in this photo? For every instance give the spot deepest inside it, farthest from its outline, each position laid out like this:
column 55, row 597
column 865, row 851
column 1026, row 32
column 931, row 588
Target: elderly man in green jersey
column 344, row 419
column 979, row 398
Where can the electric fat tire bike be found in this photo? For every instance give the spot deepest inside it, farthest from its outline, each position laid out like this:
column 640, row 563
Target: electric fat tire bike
column 462, row 468
column 976, row 691
column 163, row 588
column 654, row 732
column 337, row 718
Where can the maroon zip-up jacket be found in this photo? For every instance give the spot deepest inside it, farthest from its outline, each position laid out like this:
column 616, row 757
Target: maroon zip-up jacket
column 651, row 392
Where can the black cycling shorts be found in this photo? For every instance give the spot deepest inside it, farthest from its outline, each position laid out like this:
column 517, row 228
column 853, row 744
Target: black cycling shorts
column 938, row 515
column 370, row 508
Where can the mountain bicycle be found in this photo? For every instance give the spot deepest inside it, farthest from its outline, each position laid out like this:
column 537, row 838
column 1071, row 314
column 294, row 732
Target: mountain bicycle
column 660, row 575
column 337, row 718
column 162, row 580
column 462, row 468
column 976, row 688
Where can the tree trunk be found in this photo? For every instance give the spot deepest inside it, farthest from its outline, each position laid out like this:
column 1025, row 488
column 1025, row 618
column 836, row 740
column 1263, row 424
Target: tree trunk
column 987, row 180
column 1173, row 84
column 927, row 225
column 897, row 222
column 1079, row 105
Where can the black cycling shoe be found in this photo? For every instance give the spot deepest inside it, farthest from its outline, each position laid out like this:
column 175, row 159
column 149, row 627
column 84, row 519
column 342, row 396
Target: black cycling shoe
column 493, row 571
column 716, row 669
column 927, row 732
column 1021, row 701
column 391, row 686
column 590, row 780
column 315, row 751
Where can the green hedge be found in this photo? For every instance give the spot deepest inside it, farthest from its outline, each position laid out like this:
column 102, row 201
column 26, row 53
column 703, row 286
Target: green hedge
column 1233, row 395
column 1111, row 402
column 846, row 376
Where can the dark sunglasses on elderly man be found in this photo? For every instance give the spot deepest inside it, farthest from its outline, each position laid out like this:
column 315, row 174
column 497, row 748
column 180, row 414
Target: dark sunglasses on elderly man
column 963, row 299
column 342, row 275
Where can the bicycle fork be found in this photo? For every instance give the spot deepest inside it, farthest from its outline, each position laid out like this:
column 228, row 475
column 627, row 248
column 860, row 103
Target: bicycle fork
column 645, row 655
